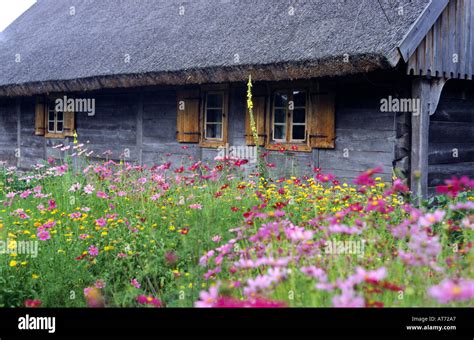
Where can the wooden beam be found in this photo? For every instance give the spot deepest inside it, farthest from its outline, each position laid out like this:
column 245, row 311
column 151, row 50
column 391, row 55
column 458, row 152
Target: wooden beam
column 428, row 92
column 420, row 138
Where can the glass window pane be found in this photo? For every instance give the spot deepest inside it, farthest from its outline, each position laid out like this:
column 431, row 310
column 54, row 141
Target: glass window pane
column 281, row 99
column 60, row 127
column 280, row 115
column 279, row 132
column 298, row 132
column 215, row 100
column 60, row 115
column 214, row 131
column 299, row 98
column 51, row 127
column 214, row 116
column 51, row 116
column 299, row 116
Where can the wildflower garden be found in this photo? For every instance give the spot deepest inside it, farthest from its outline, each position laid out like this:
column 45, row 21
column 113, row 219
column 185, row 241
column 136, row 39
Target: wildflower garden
column 227, row 234
column 191, row 234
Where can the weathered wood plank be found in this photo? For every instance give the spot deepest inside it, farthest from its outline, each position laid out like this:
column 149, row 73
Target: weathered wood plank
column 445, row 153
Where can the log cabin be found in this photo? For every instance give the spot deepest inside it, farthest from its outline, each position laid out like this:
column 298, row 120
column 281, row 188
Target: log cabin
column 163, row 74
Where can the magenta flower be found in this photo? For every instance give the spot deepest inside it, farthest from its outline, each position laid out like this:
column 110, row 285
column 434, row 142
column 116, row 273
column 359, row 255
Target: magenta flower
column 43, row 235
column 195, row 206
column 101, row 222
column 93, row 251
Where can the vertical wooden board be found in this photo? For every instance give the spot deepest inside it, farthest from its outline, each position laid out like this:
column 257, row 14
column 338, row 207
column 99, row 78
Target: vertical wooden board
column 429, row 53
column 451, row 38
column 322, row 122
column 467, row 39
column 191, row 132
column 459, row 36
column 187, row 122
column 69, row 125
column 40, row 118
column 444, row 38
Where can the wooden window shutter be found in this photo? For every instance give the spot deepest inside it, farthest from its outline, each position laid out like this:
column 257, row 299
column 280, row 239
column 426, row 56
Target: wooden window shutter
column 40, row 118
column 259, row 117
column 69, row 125
column 322, row 121
column 188, row 117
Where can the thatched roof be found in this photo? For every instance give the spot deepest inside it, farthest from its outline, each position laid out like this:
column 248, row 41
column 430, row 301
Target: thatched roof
column 214, row 41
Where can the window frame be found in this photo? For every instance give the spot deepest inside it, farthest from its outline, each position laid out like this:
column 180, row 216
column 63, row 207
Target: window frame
column 205, row 91
column 56, row 133
column 294, row 144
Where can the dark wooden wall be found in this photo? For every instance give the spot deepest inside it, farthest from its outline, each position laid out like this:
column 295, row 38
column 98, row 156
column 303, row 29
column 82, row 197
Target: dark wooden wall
column 451, row 147
column 143, row 122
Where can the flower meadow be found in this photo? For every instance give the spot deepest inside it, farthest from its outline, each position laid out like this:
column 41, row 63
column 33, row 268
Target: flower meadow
column 114, row 234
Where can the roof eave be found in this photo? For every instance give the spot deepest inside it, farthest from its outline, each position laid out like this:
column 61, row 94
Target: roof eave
column 271, row 72
column 420, row 28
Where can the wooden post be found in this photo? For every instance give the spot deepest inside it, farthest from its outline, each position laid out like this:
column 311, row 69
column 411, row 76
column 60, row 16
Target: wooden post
column 420, row 124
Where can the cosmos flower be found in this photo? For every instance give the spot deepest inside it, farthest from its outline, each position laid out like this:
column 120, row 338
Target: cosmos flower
column 452, row 290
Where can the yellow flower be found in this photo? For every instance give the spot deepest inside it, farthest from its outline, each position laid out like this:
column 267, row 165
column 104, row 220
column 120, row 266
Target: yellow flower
column 13, row 263
column 34, row 276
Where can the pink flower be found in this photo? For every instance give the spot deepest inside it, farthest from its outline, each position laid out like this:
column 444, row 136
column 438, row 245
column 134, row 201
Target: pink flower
column 348, row 298
column 43, row 235
column 452, row 290
column 94, row 297
column 135, row 283
column 195, row 206
column 93, row 251
column 75, row 187
column 100, row 284
column 207, row 299
column 101, row 222
column 89, row 189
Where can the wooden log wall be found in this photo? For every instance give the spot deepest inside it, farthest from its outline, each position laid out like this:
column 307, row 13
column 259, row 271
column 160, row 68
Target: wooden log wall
column 451, row 141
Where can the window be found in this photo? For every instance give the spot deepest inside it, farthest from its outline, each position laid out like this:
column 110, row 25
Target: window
column 55, row 118
column 214, row 116
column 52, row 123
column 289, row 116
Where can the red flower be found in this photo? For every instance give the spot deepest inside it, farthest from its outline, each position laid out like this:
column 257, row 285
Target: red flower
column 184, row 231
column 366, row 177
column 234, row 209
column 179, row 170
column 270, row 165
column 294, row 148
column 455, row 185
column 32, row 303
column 218, row 194
column 241, row 162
